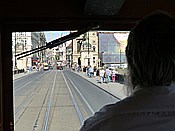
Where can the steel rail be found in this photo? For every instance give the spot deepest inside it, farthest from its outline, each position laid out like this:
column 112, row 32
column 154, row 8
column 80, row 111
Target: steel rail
column 82, row 119
column 26, row 101
column 49, row 106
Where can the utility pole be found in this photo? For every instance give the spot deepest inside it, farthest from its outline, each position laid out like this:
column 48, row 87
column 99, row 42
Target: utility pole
column 120, row 58
column 88, row 49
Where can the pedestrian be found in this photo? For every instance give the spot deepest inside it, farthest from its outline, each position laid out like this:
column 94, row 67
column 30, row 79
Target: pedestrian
column 87, row 70
column 150, row 54
column 107, row 75
column 101, row 74
column 95, row 71
column 113, row 75
column 90, row 71
column 78, row 68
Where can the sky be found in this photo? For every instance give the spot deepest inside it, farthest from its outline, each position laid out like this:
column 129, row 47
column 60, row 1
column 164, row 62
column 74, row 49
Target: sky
column 52, row 35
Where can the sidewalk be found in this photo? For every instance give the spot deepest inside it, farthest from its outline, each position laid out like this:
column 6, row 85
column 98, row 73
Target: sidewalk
column 19, row 75
column 114, row 88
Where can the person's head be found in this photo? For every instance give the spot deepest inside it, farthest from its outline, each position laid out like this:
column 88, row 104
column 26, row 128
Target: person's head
column 150, row 51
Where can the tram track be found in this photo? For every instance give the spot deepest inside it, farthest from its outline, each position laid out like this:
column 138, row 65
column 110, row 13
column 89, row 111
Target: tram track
column 24, row 84
column 85, row 108
column 54, row 104
column 55, row 101
column 49, row 105
column 79, row 113
column 28, row 99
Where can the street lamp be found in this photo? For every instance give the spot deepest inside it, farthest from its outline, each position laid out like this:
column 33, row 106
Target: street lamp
column 79, row 50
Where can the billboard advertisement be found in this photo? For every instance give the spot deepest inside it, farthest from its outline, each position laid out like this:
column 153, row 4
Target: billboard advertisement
column 112, row 47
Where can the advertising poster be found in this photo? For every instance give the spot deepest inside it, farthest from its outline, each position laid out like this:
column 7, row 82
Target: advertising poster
column 112, row 47
column 121, row 38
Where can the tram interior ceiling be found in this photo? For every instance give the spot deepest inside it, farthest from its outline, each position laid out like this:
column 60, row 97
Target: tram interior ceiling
column 23, row 16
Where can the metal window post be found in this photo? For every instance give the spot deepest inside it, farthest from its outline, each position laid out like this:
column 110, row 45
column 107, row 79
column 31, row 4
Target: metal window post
column 15, row 52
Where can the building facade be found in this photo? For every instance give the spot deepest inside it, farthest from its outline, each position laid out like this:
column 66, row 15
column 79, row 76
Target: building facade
column 26, row 41
column 69, row 48
column 85, row 50
column 38, row 40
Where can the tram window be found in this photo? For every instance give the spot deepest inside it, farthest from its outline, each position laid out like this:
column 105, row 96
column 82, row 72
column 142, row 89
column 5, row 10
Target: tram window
column 54, row 98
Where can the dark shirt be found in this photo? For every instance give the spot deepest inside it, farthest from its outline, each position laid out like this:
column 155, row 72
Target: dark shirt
column 95, row 69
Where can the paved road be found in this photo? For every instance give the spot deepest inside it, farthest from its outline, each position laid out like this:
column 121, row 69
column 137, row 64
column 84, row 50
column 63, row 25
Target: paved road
column 42, row 102
column 117, row 89
column 95, row 96
column 33, row 94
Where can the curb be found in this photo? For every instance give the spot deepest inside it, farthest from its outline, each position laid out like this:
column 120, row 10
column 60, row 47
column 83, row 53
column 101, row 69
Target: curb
column 99, row 87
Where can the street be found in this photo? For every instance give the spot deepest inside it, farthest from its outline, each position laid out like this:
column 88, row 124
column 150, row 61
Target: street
column 55, row 100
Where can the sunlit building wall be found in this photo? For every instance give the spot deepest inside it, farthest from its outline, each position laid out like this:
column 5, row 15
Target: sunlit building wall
column 85, row 49
column 21, row 42
column 25, row 41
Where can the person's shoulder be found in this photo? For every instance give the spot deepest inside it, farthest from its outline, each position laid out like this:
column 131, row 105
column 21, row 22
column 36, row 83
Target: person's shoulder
column 130, row 106
column 105, row 114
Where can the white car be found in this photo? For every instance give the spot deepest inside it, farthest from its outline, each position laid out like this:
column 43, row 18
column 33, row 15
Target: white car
column 46, row 66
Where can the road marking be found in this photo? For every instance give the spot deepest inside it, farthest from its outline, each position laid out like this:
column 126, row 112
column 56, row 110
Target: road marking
column 90, row 108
